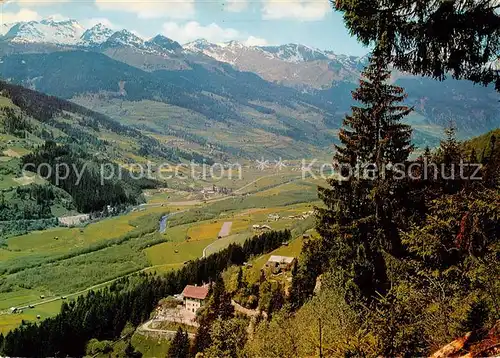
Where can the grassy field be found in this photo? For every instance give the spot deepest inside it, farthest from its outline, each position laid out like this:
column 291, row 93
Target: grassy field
column 11, row 321
column 50, row 245
column 150, row 346
column 167, row 195
column 269, row 181
column 38, row 264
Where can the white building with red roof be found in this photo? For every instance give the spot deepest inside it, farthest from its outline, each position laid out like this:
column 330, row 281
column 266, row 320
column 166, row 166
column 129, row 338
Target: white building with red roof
column 194, row 297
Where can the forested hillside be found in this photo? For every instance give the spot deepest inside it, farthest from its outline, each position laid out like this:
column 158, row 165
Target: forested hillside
column 43, row 133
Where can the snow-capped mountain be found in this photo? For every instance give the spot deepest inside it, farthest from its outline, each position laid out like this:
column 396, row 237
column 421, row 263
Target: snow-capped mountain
column 294, row 53
column 159, row 53
column 124, row 38
column 290, row 64
column 201, row 45
column 225, row 52
column 96, row 35
column 66, row 32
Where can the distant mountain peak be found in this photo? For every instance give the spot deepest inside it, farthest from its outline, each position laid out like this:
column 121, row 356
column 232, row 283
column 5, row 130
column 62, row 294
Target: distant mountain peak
column 54, row 21
column 165, row 44
column 199, row 45
column 65, row 32
column 233, row 43
column 201, row 42
column 96, row 35
column 294, row 53
column 124, row 38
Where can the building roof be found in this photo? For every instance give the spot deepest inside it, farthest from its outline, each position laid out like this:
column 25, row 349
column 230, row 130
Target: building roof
column 281, row 259
column 198, row 292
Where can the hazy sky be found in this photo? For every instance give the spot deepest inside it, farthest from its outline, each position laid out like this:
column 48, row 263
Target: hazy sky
column 257, row 22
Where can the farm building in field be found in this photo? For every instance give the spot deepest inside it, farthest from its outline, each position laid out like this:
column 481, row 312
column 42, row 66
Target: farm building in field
column 280, row 263
column 194, row 297
column 273, row 217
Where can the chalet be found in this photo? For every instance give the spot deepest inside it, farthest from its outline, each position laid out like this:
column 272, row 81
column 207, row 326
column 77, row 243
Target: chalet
column 278, row 264
column 194, row 297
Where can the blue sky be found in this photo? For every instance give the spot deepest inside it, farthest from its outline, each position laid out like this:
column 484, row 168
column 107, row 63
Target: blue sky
column 256, row 22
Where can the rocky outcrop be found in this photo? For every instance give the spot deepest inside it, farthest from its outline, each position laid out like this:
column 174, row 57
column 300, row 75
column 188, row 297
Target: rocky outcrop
column 473, row 345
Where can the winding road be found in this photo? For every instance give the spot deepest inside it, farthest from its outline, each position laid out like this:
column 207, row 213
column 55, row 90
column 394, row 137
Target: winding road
column 167, row 333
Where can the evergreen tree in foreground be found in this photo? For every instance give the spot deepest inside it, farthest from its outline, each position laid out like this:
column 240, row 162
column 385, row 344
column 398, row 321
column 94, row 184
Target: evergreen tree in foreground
column 179, row 348
column 364, row 205
column 218, row 307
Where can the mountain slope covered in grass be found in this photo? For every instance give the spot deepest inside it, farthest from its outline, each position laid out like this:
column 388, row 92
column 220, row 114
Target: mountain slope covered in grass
column 67, row 146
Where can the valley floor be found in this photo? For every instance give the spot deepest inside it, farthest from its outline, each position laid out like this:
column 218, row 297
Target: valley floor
column 42, row 269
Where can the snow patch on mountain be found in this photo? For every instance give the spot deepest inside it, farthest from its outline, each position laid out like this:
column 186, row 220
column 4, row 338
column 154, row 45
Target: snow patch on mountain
column 199, row 45
column 125, row 38
column 294, row 53
column 96, row 35
column 217, row 52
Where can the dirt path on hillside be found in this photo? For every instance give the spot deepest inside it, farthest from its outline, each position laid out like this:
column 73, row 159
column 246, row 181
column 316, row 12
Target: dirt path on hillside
column 146, row 328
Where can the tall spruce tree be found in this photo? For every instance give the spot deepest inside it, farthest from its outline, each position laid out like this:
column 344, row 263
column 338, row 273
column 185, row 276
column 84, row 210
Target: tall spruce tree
column 179, row 348
column 359, row 221
column 218, row 307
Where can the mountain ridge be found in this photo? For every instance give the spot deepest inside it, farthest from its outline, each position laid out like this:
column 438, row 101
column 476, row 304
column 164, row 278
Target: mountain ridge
column 37, row 32
column 219, row 81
